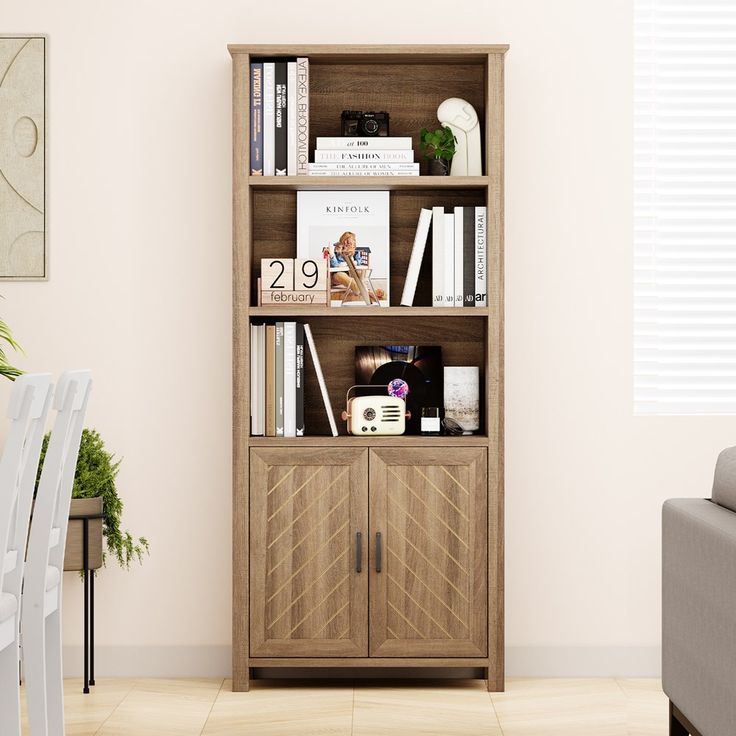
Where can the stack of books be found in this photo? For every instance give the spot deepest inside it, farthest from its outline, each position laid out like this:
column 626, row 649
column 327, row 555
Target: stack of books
column 459, row 257
column 361, row 156
column 279, row 117
column 277, row 379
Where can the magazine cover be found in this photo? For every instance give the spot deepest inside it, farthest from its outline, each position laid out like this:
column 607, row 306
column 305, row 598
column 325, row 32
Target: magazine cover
column 350, row 230
column 418, row 366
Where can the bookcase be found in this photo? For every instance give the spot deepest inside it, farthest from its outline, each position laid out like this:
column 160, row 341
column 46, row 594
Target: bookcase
column 375, row 551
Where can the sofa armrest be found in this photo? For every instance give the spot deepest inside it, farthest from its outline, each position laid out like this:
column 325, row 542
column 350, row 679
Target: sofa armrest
column 699, row 612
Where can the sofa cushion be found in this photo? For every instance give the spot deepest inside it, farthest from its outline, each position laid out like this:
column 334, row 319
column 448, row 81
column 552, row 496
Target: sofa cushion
column 724, row 481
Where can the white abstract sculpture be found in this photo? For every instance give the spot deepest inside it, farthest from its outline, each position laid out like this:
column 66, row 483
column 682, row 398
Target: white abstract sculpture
column 462, row 119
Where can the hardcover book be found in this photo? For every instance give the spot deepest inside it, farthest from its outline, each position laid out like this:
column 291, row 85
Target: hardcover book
column 349, row 230
column 379, row 143
column 279, row 383
column 468, row 256
column 281, row 118
column 269, row 89
column 302, row 115
column 361, row 155
column 256, row 119
column 291, row 118
column 418, row 366
column 270, row 380
column 299, row 379
column 481, row 277
column 289, row 379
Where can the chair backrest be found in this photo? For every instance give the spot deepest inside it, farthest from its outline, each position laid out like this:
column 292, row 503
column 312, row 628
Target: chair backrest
column 30, row 400
column 51, row 514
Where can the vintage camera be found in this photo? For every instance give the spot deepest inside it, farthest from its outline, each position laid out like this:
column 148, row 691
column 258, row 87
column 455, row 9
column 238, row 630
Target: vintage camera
column 357, row 123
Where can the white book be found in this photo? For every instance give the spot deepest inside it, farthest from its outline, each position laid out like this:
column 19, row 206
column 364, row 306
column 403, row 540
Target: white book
column 262, row 378
column 289, row 379
column 458, row 249
column 481, row 273
column 302, row 115
column 406, row 168
column 415, row 260
column 449, row 260
column 379, row 143
column 291, row 118
column 253, row 381
column 365, row 156
column 269, row 119
column 378, row 172
column 438, row 256
column 320, row 379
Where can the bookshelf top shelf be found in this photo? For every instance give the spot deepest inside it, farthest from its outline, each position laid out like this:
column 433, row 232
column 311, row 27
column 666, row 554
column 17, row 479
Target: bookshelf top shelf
column 335, row 53
column 296, row 183
column 280, row 312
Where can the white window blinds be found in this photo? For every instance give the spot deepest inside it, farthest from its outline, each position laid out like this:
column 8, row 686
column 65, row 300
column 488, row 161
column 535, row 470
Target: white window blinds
column 685, row 207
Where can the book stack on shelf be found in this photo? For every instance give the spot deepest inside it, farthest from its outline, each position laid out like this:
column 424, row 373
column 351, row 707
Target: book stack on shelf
column 364, row 156
column 279, row 117
column 277, row 379
column 459, row 261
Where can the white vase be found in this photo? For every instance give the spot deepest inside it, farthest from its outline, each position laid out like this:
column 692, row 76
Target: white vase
column 462, row 396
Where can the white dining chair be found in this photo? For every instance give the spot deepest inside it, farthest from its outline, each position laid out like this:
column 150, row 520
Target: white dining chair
column 41, row 604
column 30, row 400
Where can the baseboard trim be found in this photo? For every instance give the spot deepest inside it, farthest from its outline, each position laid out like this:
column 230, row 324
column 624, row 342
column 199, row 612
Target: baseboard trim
column 215, row 661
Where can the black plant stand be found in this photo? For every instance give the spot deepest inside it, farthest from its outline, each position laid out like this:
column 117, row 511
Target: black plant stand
column 89, row 602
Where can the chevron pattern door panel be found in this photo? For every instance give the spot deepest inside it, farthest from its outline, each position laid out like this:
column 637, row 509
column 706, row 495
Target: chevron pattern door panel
column 428, row 579
column 308, row 574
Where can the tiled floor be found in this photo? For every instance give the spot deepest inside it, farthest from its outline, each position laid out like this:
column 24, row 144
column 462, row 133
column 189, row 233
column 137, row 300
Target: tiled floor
column 529, row 707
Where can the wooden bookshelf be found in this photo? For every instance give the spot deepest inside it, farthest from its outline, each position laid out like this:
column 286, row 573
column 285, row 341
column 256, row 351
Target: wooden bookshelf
column 306, row 591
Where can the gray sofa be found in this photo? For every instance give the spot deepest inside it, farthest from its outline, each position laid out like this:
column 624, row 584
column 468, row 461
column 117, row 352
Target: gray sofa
column 699, row 607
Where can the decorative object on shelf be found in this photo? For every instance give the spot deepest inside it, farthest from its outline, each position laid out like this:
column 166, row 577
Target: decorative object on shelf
column 439, row 147
column 380, row 413
column 418, row 366
column 95, row 477
column 462, row 397
column 364, row 124
column 290, row 281
column 430, row 420
column 462, row 119
column 350, row 230
column 22, row 158
column 358, row 156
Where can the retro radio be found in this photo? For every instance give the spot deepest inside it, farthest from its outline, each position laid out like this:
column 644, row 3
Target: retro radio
column 377, row 414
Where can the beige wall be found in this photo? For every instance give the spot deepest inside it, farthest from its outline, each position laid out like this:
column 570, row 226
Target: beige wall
column 139, row 178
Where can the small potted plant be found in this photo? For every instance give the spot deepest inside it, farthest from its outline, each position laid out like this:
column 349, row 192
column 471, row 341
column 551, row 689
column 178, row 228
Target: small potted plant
column 95, row 492
column 439, row 147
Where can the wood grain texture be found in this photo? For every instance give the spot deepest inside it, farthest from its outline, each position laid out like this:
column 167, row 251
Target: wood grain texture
column 429, row 598
column 374, row 53
column 495, row 367
column 307, row 598
column 241, row 369
column 74, row 550
column 433, row 183
column 372, row 441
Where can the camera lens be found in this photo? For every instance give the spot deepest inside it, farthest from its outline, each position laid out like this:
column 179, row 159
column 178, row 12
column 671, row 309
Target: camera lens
column 370, row 126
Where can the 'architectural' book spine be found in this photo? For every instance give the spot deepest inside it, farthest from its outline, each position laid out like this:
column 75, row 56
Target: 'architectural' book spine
column 269, row 131
column 481, row 275
column 291, row 118
column 256, row 119
column 459, row 254
column 350, row 143
column 281, row 117
column 270, row 380
column 302, row 115
column 279, row 398
column 438, row 256
column 299, row 379
column 469, row 256
column 449, row 267
column 362, row 156
column 415, row 260
column 289, row 379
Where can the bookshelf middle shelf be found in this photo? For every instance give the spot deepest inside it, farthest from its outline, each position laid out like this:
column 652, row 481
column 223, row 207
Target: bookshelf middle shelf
column 291, row 312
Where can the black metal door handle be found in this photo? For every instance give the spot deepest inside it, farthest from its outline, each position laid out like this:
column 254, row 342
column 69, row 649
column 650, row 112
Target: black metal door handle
column 378, row 551
column 358, row 552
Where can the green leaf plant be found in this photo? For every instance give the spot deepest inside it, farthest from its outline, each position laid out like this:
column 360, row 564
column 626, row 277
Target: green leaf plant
column 438, row 143
column 95, row 477
column 7, row 341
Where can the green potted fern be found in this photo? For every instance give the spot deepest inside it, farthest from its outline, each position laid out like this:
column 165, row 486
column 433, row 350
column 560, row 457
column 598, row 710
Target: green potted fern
column 95, row 492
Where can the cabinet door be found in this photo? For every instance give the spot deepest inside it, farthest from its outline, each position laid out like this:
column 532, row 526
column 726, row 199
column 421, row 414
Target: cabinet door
column 308, row 576
column 429, row 590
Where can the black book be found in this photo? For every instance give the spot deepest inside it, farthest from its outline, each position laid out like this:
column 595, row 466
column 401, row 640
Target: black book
column 468, row 256
column 281, row 114
column 299, row 379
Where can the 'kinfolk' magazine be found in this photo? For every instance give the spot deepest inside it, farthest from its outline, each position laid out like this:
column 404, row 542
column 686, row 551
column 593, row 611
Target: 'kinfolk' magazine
column 350, row 230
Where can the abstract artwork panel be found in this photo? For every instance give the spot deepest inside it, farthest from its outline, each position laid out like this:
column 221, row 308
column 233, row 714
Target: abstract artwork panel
column 22, row 157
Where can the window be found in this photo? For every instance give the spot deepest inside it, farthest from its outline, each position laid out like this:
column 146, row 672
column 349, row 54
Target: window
column 685, row 207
